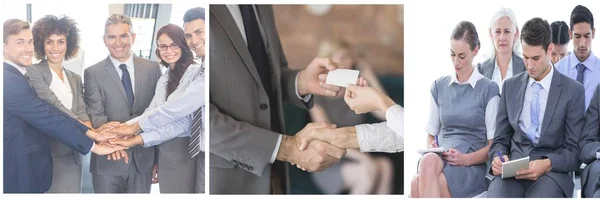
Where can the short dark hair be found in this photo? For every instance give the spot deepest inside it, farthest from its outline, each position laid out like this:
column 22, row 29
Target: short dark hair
column 49, row 25
column 582, row 14
column 13, row 27
column 537, row 32
column 466, row 30
column 560, row 32
column 193, row 14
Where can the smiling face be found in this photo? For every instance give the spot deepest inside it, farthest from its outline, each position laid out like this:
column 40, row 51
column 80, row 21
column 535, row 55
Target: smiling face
column 503, row 34
column 462, row 55
column 55, row 47
column 194, row 35
column 19, row 48
column 536, row 60
column 169, row 51
column 118, row 39
column 582, row 35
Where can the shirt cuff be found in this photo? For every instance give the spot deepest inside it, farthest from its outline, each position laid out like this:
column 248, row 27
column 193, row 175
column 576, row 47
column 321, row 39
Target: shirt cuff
column 150, row 138
column 306, row 98
column 598, row 155
column 92, row 148
column 274, row 155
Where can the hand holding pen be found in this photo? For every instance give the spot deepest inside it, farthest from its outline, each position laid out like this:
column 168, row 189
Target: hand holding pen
column 497, row 163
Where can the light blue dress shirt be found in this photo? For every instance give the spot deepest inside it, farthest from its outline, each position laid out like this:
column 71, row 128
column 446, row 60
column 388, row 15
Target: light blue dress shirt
column 567, row 66
column 167, row 119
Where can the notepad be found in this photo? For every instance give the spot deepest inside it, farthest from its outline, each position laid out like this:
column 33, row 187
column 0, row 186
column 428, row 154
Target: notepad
column 431, row 150
column 510, row 168
column 342, row 77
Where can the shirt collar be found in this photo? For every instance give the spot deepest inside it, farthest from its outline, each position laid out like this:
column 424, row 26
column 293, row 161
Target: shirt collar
column 589, row 62
column 546, row 81
column 116, row 63
column 19, row 68
column 475, row 76
column 510, row 65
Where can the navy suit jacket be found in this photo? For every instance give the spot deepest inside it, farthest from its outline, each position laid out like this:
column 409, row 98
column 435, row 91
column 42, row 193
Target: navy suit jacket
column 28, row 121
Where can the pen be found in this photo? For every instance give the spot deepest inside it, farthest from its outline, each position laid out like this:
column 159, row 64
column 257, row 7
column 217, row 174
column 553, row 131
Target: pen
column 500, row 156
column 436, row 141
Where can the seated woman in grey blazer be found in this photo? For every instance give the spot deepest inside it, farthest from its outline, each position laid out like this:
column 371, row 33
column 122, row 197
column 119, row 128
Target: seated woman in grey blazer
column 57, row 40
column 505, row 58
column 462, row 120
column 176, row 168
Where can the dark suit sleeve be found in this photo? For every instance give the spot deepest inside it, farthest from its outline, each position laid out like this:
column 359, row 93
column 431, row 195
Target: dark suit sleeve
column 94, row 100
column 22, row 101
column 248, row 146
column 81, row 109
column 43, row 90
column 589, row 143
column 504, row 130
column 565, row 158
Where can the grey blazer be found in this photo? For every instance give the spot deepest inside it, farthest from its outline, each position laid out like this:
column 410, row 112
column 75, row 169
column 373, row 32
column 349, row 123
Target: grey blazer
column 561, row 127
column 106, row 101
column 487, row 67
column 589, row 144
column 40, row 78
column 240, row 137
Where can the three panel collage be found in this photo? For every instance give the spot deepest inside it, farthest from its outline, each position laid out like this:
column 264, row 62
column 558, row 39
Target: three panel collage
column 500, row 99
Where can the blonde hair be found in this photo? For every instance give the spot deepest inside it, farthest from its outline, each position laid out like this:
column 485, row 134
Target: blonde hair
column 13, row 27
column 327, row 47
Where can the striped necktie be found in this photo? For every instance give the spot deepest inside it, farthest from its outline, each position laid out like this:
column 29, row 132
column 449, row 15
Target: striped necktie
column 194, row 147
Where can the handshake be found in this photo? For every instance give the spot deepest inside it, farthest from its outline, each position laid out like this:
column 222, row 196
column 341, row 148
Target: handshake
column 113, row 138
column 317, row 146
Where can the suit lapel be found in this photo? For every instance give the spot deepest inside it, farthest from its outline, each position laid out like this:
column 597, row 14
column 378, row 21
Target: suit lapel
column 522, row 87
column 224, row 18
column 489, row 68
column 518, row 65
column 112, row 73
column 139, row 74
column 265, row 13
column 73, row 83
column 553, row 96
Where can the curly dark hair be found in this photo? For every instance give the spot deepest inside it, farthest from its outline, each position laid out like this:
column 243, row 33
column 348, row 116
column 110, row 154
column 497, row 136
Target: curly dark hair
column 176, row 34
column 49, row 25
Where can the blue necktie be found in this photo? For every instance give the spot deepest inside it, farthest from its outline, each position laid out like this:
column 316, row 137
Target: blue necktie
column 534, row 112
column 580, row 70
column 126, row 80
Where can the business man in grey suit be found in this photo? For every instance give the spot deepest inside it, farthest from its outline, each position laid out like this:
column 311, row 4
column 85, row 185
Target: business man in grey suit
column 540, row 116
column 589, row 148
column 119, row 88
column 250, row 80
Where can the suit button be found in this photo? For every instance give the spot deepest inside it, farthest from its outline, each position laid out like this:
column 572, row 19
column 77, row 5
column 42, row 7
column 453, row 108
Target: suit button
column 264, row 106
column 131, row 114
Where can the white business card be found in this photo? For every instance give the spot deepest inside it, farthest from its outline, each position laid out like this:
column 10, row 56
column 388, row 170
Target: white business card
column 342, row 77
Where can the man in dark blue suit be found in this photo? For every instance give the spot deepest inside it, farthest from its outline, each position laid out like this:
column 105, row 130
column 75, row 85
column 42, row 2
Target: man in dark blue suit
column 28, row 121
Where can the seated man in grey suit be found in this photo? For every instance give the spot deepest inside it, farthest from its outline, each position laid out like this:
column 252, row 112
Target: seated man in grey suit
column 540, row 116
column 250, row 80
column 589, row 148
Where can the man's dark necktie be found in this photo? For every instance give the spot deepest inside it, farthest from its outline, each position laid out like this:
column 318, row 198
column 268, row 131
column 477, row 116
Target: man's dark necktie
column 580, row 70
column 257, row 49
column 126, row 80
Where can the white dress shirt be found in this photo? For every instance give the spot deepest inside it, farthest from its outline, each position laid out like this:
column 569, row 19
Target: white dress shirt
column 385, row 136
column 239, row 22
column 497, row 76
column 62, row 90
column 130, row 68
column 525, row 118
column 491, row 110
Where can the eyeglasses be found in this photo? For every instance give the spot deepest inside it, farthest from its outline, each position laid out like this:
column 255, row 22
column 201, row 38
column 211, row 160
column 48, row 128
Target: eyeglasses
column 163, row 47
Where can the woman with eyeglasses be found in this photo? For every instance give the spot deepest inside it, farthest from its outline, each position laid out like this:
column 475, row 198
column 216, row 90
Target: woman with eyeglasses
column 176, row 167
